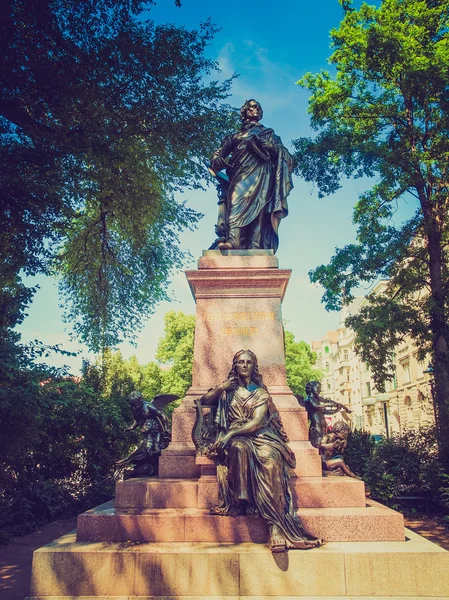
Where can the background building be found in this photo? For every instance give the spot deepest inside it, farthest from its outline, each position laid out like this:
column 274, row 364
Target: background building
column 407, row 400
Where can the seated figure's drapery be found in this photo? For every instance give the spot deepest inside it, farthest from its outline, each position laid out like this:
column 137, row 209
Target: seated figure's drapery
column 256, row 467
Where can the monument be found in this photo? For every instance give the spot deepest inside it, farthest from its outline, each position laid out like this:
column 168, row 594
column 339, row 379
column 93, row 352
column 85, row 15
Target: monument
column 159, row 538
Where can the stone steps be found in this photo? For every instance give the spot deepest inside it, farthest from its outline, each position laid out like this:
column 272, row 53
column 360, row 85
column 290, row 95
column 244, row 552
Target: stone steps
column 307, row 492
column 106, row 523
column 66, row 569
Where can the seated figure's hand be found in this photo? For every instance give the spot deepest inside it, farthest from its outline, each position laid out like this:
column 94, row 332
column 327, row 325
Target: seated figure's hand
column 230, row 384
column 223, row 442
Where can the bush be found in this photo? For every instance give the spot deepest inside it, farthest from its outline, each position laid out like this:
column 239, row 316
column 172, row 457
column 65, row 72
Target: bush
column 405, row 464
column 59, row 441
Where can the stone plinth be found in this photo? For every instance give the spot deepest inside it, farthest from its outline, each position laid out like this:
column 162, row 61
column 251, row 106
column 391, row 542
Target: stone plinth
column 307, row 492
column 70, row 570
column 238, row 297
column 373, row 522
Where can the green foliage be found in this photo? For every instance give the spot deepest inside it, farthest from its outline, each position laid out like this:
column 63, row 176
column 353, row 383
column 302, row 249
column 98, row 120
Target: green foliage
column 406, row 464
column 175, row 350
column 299, row 361
column 59, row 441
column 359, row 451
column 385, row 114
column 103, row 116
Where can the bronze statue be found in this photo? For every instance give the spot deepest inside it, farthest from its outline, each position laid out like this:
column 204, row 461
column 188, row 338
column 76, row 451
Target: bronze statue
column 252, row 455
column 317, row 407
column 155, row 430
column 332, row 446
column 253, row 193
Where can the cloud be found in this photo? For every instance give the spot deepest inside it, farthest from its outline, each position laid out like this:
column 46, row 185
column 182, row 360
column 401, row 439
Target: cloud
column 273, row 83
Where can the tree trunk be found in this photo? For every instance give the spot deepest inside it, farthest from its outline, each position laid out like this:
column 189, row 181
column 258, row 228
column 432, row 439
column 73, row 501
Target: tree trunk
column 440, row 335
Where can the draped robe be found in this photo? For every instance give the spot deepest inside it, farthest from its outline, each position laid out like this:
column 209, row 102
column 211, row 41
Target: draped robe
column 256, row 466
column 259, row 183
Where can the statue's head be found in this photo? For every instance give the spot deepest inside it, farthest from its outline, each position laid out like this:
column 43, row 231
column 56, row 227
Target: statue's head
column 341, row 428
column 247, row 355
column 135, row 399
column 251, row 111
column 313, row 387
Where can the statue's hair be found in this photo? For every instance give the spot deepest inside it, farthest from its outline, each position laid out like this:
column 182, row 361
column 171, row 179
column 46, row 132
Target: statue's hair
column 341, row 427
column 245, row 108
column 133, row 396
column 310, row 386
column 256, row 376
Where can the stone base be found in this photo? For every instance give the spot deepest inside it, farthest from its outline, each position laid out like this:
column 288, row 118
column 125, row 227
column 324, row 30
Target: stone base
column 70, row 570
column 108, row 524
column 307, row 492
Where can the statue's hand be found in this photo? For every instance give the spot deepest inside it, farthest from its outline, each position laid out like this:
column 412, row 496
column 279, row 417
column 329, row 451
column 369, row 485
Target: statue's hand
column 230, row 384
column 223, row 442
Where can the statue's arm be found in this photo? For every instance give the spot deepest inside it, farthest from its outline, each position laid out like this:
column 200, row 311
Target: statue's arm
column 133, row 426
column 218, row 161
column 211, row 397
column 315, row 403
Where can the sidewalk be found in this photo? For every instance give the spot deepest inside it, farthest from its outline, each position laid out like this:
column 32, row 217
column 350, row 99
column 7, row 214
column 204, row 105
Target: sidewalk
column 16, row 558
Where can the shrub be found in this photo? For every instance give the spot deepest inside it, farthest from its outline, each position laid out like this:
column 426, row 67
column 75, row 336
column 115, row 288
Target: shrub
column 405, row 464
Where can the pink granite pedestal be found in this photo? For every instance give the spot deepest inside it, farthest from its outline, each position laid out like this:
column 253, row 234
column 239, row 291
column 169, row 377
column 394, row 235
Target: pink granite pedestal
column 238, row 298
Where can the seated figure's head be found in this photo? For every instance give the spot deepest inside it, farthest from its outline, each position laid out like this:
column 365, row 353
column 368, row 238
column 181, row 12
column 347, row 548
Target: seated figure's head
column 256, row 377
column 135, row 399
column 342, row 429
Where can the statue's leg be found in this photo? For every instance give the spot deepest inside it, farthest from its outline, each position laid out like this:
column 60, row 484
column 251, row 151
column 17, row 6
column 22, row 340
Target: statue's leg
column 239, row 465
column 234, row 238
column 254, row 232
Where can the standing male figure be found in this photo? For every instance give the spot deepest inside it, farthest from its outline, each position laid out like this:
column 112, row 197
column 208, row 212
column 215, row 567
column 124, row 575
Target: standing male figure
column 259, row 168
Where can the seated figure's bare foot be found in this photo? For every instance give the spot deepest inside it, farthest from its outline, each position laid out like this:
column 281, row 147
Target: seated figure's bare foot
column 306, row 544
column 277, row 540
column 251, row 509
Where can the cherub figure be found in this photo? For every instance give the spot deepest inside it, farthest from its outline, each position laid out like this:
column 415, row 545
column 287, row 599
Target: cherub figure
column 332, row 446
column 155, row 430
column 317, row 407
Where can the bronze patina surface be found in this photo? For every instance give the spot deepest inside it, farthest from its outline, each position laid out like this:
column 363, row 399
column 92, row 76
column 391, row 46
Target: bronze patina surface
column 155, row 432
column 253, row 169
column 252, row 455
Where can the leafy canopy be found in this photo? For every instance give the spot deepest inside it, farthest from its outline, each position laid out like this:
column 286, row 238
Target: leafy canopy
column 385, row 115
column 103, row 117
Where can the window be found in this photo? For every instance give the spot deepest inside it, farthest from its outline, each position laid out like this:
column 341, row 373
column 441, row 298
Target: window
column 406, row 371
column 326, row 349
column 327, row 366
column 346, row 355
column 368, row 388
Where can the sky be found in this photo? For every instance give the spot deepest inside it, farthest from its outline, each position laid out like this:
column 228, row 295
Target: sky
column 270, row 45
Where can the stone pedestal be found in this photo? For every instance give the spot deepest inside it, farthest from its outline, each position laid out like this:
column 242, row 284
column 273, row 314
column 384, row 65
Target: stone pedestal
column 238, row 297
column 158, row 539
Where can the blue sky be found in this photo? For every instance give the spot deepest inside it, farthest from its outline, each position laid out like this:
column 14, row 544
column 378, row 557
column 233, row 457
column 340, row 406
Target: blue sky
column 271, row 45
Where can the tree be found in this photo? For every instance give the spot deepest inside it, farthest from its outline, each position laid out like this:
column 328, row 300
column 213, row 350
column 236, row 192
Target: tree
column 175, row 350
column 385, row 114
column 103, row 116
column 299, row 361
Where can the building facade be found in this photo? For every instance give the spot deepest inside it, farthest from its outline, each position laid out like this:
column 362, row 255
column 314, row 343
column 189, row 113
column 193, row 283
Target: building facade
column 407, row 400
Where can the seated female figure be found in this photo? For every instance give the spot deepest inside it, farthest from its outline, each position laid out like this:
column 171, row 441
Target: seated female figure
column 253, row 456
